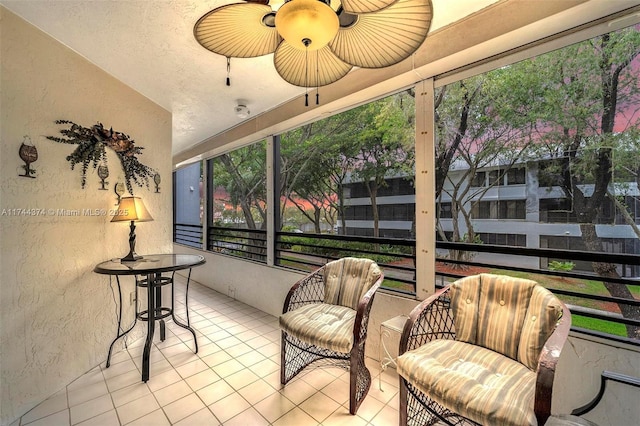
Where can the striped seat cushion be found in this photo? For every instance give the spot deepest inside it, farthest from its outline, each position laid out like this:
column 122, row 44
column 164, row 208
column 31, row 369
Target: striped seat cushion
column 321, row 324
column 472, row 381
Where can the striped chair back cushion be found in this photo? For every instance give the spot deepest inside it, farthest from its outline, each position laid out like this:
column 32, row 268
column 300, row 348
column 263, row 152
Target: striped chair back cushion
column 494, row 311
column 348, row 279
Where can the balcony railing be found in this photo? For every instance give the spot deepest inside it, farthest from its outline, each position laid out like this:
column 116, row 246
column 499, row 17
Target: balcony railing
column 245, row 243
column 189, row 235
column 604, row 306
column 309, row 251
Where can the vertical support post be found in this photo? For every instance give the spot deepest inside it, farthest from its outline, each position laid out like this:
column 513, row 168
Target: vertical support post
column 425, row 190
column 273, row 196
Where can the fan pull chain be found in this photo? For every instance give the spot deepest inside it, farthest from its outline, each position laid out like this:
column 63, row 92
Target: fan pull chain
column 317, row 77
column 306, row 43
column 228, row 71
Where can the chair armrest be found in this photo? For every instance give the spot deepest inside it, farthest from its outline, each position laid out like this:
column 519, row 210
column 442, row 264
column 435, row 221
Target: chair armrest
column 547, row 362
column 362, row 313
column 429, row 320
column 307, row 290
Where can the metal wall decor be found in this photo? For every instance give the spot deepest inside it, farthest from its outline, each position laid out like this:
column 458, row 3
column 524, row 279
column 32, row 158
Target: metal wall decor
column 119, row 190
column 92, row 143
column 103, row 173
column 29, row 154
column 157, row 180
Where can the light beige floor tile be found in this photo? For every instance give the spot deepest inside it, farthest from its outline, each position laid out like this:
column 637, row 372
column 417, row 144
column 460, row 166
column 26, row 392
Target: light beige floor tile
column 248, row 417
column 250, row 358
column 86, row 393
column 172, row 393
column 203, row 417
column 168, row 341
column 237, row 350
column 298, row 391
column 124, row 380
column 51, row 405
column 216, row 358
column 296, row 417
column 257, row 391
column 137, row 408
column 264, row 367
column 191, row 368
column 88, row 378
column 120, row 356
column 241, row 379
column 159, row 367
column 369, row 408
column 229, row 407
column 215, row 392
column 387, row 416
column 174, row 350
column 208, row 349
column 155, row 418
column 119, row 368
column 130, row 393
column 163, row 380
column 258, row 342
column 110, row 418
column 92, row 408
column 338, row 391
column 274, row 406
column 184, row 407
column 202, row 379
column 319, row 406
column 61, row 418
column 317, row 377
column 228, row 342
column 341, row 417
column 182, row 358
column 228, row 368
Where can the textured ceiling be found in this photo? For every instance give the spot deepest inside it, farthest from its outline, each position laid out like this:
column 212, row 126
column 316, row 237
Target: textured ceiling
column 149, row 45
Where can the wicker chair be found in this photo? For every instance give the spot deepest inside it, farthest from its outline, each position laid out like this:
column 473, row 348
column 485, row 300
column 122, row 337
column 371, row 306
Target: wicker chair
column 325, row 317
column 483, row 350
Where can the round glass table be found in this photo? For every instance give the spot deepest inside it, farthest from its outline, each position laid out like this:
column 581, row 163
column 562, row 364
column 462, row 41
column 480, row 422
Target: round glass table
column 151, row 268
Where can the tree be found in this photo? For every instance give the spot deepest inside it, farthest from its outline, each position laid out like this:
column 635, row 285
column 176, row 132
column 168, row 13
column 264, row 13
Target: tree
column 242, row 174
column 585, row 116
column 384, row 142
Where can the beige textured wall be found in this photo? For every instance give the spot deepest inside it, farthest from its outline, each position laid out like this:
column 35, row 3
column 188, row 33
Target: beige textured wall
column 57, row 316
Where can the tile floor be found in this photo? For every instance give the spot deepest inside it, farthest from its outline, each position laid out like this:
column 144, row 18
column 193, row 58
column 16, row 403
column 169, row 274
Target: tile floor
column 232, row 380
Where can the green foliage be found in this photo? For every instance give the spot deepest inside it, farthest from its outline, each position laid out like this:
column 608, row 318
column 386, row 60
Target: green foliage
column 603, row 326
column 92, row 142
column 339, row 248
column 556, row 265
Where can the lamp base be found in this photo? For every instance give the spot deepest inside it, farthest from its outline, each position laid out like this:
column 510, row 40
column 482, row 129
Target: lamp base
column 131, row 257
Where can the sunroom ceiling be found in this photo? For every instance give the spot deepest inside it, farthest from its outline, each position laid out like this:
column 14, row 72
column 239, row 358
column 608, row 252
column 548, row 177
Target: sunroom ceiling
column 149, row 45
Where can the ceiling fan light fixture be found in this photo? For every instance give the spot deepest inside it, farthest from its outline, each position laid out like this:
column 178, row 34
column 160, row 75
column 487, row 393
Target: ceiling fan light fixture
column 307, row 24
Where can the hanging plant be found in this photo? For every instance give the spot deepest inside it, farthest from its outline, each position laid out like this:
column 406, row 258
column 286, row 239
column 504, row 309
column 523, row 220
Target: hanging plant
column 92, row 142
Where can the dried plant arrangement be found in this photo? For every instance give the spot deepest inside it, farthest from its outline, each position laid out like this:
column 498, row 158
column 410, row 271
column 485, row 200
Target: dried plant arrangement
column 91, row 150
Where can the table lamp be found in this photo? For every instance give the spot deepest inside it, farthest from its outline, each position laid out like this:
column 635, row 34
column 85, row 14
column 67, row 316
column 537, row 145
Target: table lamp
column 132, row 209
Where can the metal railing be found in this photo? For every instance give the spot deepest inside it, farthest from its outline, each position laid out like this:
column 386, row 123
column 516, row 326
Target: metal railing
column 309, row 251
column 189, row 235
column 245, row 243
column 596, row 303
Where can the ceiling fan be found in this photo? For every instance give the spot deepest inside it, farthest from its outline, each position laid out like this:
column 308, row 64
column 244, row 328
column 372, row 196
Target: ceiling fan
column 317, row 42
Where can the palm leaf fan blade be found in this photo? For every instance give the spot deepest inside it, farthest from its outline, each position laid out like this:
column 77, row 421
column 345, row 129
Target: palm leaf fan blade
column 237, row 30
column 386, row 37
column 365, row 6
column 302, row 69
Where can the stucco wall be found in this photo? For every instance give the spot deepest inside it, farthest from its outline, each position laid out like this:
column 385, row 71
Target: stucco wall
column 57, row 316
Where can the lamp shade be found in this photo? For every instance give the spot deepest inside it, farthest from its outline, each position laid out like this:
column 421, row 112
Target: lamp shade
column 132, row 209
